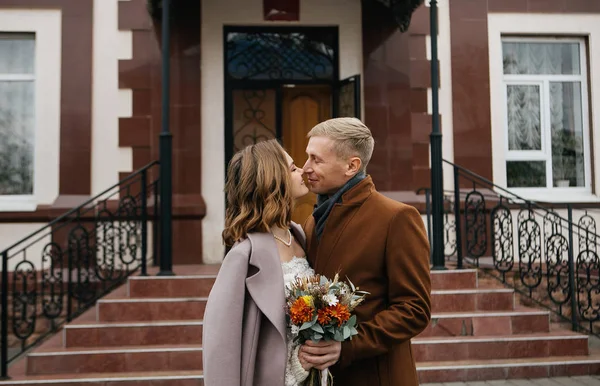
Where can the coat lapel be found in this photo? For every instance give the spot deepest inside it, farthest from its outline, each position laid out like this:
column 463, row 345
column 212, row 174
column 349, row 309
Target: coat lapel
column 266, row 286
column 339, row 218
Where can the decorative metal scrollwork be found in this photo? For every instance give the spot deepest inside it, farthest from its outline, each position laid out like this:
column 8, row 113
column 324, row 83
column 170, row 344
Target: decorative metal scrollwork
column 530, row 250
column 83, row 260
column 52, row 281
column 254, row 125
column 298, row 55
column 449, row 229
column 587, row 276
column 502, row 239
column 402, row 11
column 24, row 300
column 588, row 286
column 129, row 231
column 557, row 260
column 586, row 232
column 475, row 224
column 82, row 255
column 106, row 236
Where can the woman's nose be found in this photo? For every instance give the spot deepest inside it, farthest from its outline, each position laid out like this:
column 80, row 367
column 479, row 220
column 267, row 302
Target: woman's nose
column 301, row 171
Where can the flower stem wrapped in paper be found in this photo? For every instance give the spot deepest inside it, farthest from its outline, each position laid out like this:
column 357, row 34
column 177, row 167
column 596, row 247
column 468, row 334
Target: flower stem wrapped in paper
column 321, row 309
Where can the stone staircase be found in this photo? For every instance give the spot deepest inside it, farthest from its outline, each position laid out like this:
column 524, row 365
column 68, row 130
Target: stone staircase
column 480, row 332
column 149, row 332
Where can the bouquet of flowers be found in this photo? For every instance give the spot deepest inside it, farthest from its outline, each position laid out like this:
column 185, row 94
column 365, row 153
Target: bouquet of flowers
column 321, row 309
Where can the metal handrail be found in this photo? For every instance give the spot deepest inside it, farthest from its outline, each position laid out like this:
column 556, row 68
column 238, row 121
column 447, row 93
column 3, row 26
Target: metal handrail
column 99, row 258
column 81, row 206
column 526, row 201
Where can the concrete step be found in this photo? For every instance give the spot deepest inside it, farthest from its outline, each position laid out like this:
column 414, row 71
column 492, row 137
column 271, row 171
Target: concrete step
column 170, row 286
column 115, row 360
column 556, row 343
column 469, row 300
column 113, row 334
column 488, row 370
column 150, row 309
column 454, row 279
column 486, row 323
column 154, row 378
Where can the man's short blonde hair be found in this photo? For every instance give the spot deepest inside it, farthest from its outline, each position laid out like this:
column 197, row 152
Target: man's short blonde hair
column 352, row 137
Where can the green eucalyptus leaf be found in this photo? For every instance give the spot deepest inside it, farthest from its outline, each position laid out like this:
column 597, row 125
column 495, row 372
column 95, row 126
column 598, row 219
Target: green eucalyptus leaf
column 317, row 327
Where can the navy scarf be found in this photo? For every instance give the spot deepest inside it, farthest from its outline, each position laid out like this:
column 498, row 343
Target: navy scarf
column 325, row 203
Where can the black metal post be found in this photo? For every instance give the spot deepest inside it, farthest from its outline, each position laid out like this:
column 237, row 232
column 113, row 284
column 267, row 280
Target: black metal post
column 457, row 224
column 166, row 151
column 437, row 189
column 572, row 284
column 428, row 210
column 4, row 329
column 155, row 227
column 144, row 220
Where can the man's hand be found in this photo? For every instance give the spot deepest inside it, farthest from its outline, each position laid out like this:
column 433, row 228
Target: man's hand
column 320, row 355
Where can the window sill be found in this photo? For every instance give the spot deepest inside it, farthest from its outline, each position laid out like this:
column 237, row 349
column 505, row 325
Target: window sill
column 17, row 204
column 558, row 196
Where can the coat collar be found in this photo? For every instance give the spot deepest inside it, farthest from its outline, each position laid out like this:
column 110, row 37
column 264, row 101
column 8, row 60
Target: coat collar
column 339, row 218
column 358, row 194
column 266, row 286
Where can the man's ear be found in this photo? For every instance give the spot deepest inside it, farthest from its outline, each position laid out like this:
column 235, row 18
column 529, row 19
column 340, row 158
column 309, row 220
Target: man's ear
column 354, row 165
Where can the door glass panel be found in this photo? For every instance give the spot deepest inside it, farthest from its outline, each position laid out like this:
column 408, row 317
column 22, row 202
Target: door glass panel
column 254, row 117
column 526, row 174
column 524, row 118
column 568, row 163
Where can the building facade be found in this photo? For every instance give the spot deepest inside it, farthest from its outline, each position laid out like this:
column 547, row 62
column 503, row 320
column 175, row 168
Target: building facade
column 80, row 88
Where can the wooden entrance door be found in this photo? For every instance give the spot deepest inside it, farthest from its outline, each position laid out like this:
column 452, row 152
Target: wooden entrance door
column 303, row 107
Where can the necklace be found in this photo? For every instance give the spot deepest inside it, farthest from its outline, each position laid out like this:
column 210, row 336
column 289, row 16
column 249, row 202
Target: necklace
column 287, row 243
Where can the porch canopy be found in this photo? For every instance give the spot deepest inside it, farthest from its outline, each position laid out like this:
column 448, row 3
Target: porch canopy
column 400, row 10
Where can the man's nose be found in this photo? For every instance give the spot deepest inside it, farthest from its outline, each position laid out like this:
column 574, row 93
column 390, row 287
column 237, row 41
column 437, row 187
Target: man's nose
column 306, row 167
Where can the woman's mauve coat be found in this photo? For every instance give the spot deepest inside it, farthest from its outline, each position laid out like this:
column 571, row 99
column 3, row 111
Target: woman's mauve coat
column 381, row 246
column 244, row 330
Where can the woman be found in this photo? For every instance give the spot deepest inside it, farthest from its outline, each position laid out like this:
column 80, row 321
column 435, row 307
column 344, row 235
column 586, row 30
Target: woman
column 245, row 338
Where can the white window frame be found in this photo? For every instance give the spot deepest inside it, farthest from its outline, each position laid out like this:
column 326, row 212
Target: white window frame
column 24, row 201
column 46, row 25
column 548, row 193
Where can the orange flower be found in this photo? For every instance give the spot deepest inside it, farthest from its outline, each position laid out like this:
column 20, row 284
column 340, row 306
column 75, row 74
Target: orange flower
column 339, row 312
column 323, row 316
column 301, row 311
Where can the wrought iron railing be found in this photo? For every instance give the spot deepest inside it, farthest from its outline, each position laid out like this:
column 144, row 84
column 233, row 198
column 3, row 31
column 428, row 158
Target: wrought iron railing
column 58, row 272
column 548, row 254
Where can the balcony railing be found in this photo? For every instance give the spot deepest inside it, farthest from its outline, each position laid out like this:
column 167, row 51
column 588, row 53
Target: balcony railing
column 548, row 254
column 58, row 272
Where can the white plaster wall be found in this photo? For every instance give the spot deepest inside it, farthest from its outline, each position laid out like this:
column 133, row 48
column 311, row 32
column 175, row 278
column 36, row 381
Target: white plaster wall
column 108, row 102
column 215, row 14
column 11, row 233
column 46, row 24
column 445, row 90
column 581, row 25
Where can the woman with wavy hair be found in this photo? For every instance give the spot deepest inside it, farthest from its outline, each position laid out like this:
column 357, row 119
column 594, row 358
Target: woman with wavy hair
column 245, row 335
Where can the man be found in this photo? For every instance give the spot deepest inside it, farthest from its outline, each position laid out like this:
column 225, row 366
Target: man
column 380, row 245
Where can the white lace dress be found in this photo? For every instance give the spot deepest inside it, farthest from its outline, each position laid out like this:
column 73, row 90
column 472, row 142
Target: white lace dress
column 294, row 373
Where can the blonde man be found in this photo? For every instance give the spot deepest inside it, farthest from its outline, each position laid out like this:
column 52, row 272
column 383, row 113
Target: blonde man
column 380, row 245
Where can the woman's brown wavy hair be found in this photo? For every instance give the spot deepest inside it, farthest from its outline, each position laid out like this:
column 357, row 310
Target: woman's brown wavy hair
column 258, row 191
